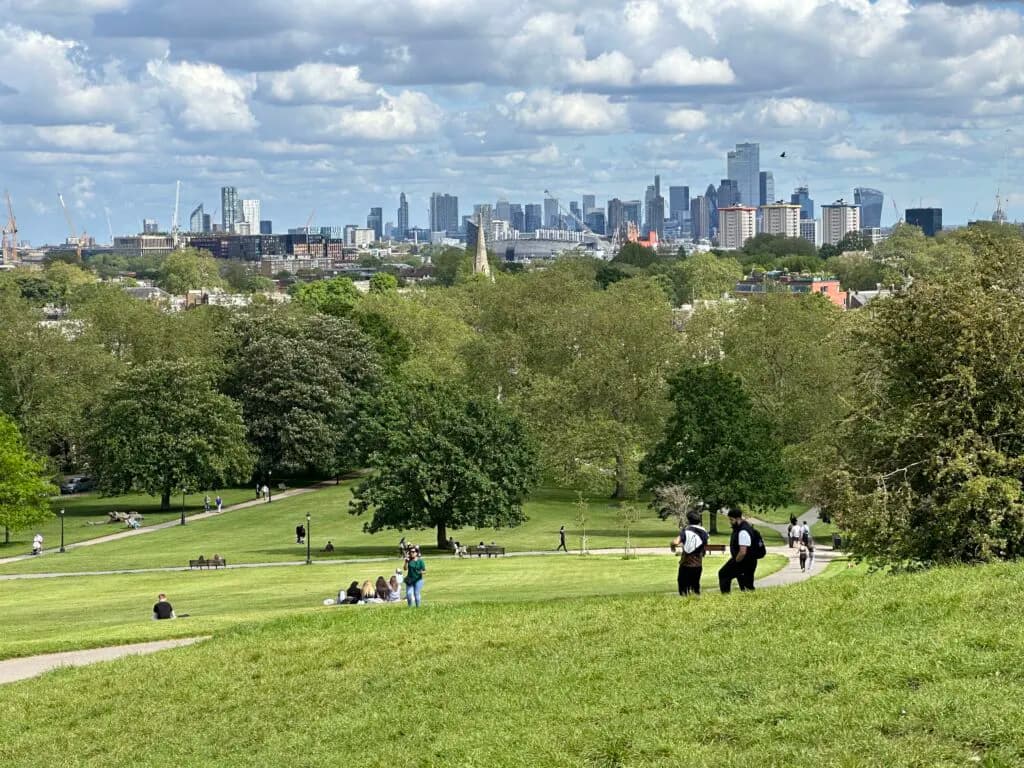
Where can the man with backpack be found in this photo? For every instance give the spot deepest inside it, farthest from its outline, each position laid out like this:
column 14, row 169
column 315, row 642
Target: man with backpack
column 693, row 540
column 746, row 547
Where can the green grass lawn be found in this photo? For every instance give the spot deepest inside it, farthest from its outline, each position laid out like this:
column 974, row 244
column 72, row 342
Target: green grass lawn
column 85, row 516
column 907, row 671
column 266, row 533
column 42, row 615
column 780, row 515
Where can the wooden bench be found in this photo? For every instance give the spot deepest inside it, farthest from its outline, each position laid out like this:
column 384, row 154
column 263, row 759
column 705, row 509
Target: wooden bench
column 716, row 548
column 489, row 550
column 219, row 563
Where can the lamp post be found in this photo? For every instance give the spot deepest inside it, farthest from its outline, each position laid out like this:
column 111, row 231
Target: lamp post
column 183, row 492
column 270, row 486
column 62, row 531
column 309, row 560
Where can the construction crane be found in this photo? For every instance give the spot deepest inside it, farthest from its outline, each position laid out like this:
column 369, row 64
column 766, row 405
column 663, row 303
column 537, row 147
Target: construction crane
column 10, row 234
column 73, row 239
column 110, row 228
column 175, row 227
column 899, row 216
column 309, row 223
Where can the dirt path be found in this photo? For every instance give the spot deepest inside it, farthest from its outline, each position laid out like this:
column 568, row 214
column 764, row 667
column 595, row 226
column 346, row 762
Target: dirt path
column 32, row 666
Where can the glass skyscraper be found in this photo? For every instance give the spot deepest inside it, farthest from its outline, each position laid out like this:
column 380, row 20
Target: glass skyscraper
column 870, row 202
column 802, row 196
column 744, row 166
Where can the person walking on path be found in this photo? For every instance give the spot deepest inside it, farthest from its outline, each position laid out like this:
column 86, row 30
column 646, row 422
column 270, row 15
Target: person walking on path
column 206, row 503
column 414, row 570
column 266, row 492
column 745, row 545
column 693, row 540
column 37, row 544
column 220, row 503
column 561, row 540
column 809, row 541
column 300, row 533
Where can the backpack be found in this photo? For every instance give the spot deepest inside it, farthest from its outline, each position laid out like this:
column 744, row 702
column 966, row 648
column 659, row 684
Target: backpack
column 757, row 546
column 702, row 535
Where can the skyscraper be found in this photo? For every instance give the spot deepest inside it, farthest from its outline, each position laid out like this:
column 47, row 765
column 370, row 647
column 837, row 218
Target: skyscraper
column 744, row 166
column 551, row 217
column 516, row 217
column 533, row 218
column 266, row 227
column 503, row 210
column 375, row 221
column 781, row 219
column 230, row 208
column 615, row 218
column 444, row 214
column 678, row 203
column 711, row 200
column 838, row 220
column 728, row 193
column 403, row 217
column 595, row 221
column 766, row 181
column 928, row 219
column 483, row 214
column 195, row 221
column 870, row 202
column 150, row 226
column 574, row 209
column 251, row 215
column 654, row 209
column 631, row 211
column 700, row 220
column 589, row 205
column 802, row 196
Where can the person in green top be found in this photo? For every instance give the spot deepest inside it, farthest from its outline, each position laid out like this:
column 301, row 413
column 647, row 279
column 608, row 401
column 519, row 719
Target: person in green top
column 415, row 568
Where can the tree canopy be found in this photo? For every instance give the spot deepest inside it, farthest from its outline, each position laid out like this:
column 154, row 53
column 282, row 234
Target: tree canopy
column 188, row 269
column 24, row 487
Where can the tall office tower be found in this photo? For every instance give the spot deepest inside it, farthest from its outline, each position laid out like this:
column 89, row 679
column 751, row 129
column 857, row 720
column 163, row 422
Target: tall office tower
column 595, row 221
column 744, row 165
column 195, row 221
column 700, row 218
column 551, row 217
column 711, row 196
column 928, row 219
column 503, row 210
column 802, row 197
column 230, row 208
column 207, row 227
column 589, row 205
column 678, row 203
column 483, row 214
column 615, row 218
column 533, row 218
column 870, row 202
column 403, row 218
column 632, row 211
column 728, row 193
column 574, row 209
column 838, row 220
column 242, row 228
column 656, row 215
column 516, row 217
column 444, row 214
column 266, row 227
column 766, row 183
column 251, row 214
column 375, row 221
column 810, row 230
column 736, row 225
column 150, row 226
column 781, row 219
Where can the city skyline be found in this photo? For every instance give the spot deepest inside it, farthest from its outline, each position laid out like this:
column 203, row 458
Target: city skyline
column 342, row 107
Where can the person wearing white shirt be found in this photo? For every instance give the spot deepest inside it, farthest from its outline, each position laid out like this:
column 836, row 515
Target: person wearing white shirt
column 743, row 563
column 37, row 544
column 692, row 540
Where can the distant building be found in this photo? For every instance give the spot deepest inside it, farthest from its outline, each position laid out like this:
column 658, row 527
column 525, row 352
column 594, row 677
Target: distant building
column 483, row 215
column 251, row 215
column 375, row 221
column 230, row 208
column 838, row 220
column 781, row 219
column 810, row 230
column 195, row 221
column 516, row 217
column 631, row 211
column 928, row 219
column 577, row 214
column 870, row 202
column 654, row 209
column 700, row 219
column 743, row 165
column 551, row 215
column 503, row 210
column 143, row 245
column 728, row 193
column 784, row 282
column 207, row 224
column 595, row 221
column 403, row 218
column 678, row 203
column 736, row 225
column 802, row 196
column 711, row 195
column 589, row 205
column 873, row 234
column 533, row 218
column 362, row 237
column 444, row 214
column 766, row 184
column 150, row 226
column 266, row 227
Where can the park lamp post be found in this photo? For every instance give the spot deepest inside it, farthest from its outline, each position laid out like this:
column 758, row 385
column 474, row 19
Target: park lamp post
column 309, row 560
column 270, row 486
column 183, row 492
column 62, row 531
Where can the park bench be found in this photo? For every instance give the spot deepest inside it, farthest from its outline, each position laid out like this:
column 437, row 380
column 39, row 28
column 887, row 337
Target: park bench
column 212, row 563
column 715, row 548
column 490, row 550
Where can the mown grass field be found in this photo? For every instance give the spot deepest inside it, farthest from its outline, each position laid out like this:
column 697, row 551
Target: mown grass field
column 43, row 615
column 852, row 671
column 266, row 533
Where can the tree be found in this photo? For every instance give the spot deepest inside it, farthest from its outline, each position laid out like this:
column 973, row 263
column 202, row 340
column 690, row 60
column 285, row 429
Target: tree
column 628, row 516
column 450, row 461
column 24, row 489
column 706, row 276
column 635, row 254
column 189, row 269
column 718, row 444
column 582, row 518
column 165, row 427
column 337, row 296
column 767, row 248
column 862, row 272
column 383, row 282
column 304, row 381
column 452, row 265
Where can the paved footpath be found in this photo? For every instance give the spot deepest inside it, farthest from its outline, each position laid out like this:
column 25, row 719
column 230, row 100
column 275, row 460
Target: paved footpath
column 169, row 524
column 32, row 666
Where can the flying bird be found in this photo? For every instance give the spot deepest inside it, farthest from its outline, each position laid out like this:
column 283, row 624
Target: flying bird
column 783, row 154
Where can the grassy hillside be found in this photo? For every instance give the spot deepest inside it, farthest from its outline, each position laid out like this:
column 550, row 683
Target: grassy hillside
column 42, row 615
column 850, row 671
column 266, row 533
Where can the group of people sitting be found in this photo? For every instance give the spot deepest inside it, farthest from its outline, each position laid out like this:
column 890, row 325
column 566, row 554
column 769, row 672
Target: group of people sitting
column 460, row 549
column 381, row 591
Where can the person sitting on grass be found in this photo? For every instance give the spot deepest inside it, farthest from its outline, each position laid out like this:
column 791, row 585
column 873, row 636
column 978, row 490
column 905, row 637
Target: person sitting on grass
column 369, row 592
column 329, row 547
column 163, row 609
column 350, row 596
column 394, row 589
column 381, row 589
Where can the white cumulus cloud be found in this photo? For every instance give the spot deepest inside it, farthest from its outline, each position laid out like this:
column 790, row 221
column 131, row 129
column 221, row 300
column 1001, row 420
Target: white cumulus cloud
column 204, row 96
column 612, row 68
column 409, row 116
column 545, row 111
column 844, row 150
column 684, row 120
column 679, row 67
column 316, row 83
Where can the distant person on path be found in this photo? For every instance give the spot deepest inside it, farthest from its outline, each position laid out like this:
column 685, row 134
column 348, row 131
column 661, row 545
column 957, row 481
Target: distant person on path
column 809, row 541
column 415, row 568
column 793, row 531
column 745, row 545
column 259, row 490
column 300, row 533
column 220, row 503
column 693, row 540
column 206, row 503
column 561, row 540
column 37, row 544
column 266, row 492
column 163, row 609
column 802, row 551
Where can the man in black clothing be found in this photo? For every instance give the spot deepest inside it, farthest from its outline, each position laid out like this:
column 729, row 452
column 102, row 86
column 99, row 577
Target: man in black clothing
column 692, row 540
column 300, row 533
column 742, row 564
column 561, row 540
column 163, row 609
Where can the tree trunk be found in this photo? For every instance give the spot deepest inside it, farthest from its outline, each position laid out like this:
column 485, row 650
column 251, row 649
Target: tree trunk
column 713, row 519
column 442, row 536
column 620, row 478
column 165, row 501
column 7, row 535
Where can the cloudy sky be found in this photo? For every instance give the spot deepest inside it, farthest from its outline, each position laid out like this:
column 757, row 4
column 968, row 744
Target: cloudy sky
column 337, row 105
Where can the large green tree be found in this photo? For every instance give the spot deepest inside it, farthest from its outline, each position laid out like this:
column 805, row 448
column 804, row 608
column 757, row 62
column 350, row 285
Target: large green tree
column 189, row 269
column 717, row 444
column 165, row 427
column 24, row 488
column 305, row 381
column 449, row 461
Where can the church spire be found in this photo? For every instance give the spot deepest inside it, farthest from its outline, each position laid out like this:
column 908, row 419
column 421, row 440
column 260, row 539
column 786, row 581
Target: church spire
column 480, row 264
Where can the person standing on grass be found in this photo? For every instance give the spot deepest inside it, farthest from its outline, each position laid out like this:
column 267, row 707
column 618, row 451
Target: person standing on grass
column 163, row 609
column 300, row 533
column 561, row 540
column 744, row 546
column 414, row 570
column 693, row 541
